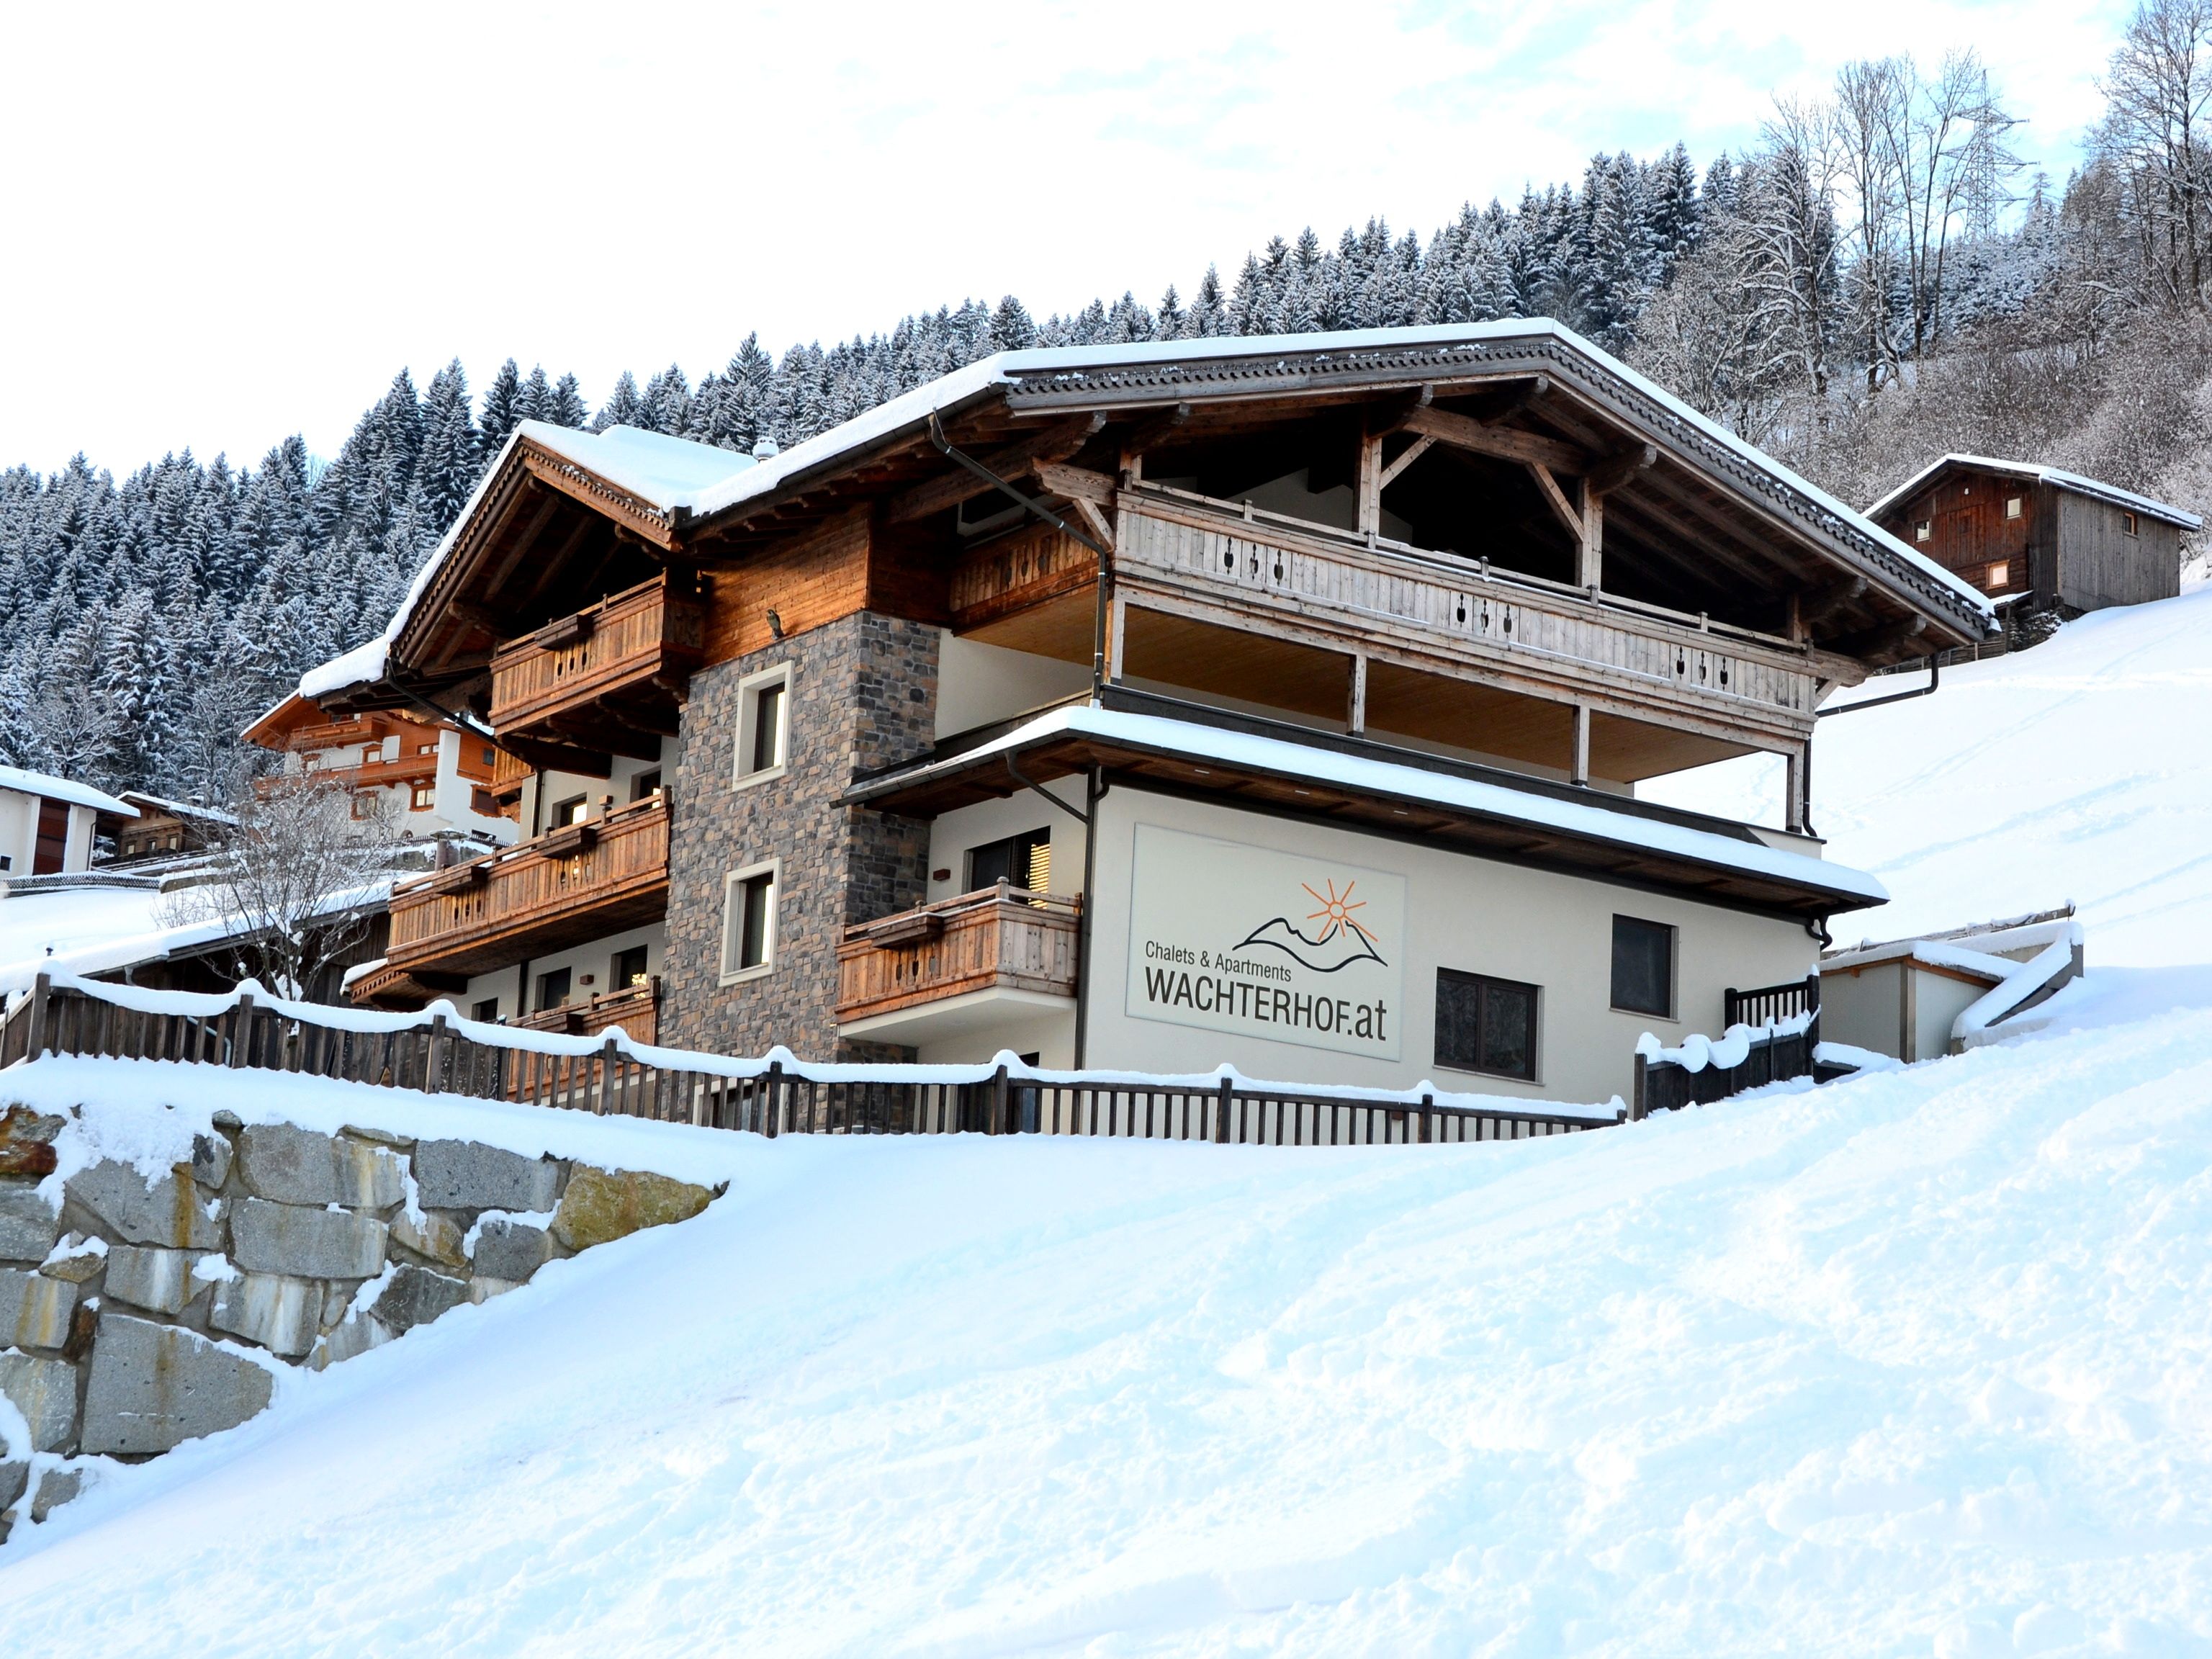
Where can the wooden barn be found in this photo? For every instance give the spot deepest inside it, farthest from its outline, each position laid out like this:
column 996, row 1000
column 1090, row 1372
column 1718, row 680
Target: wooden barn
column 2038, row 540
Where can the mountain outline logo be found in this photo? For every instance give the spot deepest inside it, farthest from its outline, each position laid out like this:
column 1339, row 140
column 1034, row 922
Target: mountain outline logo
column 1353, row 941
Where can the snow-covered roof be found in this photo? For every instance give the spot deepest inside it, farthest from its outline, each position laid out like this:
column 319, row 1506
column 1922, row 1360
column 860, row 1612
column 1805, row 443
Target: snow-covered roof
column 1589, row 820
column 181, row 809
column 2049, row 475
column 54, row 789
column 676, row 475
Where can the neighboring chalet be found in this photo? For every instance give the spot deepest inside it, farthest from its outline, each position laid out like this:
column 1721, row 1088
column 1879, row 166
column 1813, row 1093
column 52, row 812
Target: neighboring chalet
column 165, row 830
column 2037, row 541
column 48, row 825
column 431, row 777
column 1292, row 718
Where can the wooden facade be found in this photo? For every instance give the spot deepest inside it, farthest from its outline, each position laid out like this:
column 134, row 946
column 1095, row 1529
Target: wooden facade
column 1486, row 548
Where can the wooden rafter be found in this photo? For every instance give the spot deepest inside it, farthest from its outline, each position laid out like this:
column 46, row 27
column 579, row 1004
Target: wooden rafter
column 1016, row 460
column 1506, row 443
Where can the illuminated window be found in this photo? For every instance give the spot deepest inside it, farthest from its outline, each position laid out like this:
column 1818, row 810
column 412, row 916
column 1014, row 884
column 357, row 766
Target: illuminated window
column 2000, row 574
column 629, row 968
column 2012, row 506
column 569, row 811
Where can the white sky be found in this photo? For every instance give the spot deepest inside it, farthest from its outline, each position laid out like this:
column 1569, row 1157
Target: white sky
column 231, row 224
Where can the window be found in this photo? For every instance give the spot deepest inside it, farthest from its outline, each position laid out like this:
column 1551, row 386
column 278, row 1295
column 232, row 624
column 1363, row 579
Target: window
column 763, row 725
column 1486, row 1025
column 1023, row 860
column 490, row 755
column 553, row 989
column 2012, row 506
column 7, row 861
column 421, row 797
column 2000, row 574
column 570, row 811
column 1643, row 967
column 629, row 968
column 645, row 784
column 426, row 748
column 1923, row 530
column 2128, row 523
column 486, row 1013
column 749, row 921
column 364, row 804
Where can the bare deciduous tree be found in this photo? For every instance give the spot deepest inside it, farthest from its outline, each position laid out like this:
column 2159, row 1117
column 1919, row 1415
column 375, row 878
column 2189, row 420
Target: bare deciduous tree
column 296, row 880
column 2154, row 133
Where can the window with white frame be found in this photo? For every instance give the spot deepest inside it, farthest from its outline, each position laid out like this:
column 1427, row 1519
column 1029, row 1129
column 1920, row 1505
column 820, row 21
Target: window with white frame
column 763, row 725
column 749, row 920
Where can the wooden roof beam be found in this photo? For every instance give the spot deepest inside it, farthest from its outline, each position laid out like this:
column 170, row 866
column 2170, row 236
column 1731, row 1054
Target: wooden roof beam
column 1614, row 470
column 1503, row 443
column 941, row 494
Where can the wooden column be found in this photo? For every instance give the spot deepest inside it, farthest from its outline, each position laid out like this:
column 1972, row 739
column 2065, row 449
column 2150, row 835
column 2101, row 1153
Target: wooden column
column 1796, row 789
column 1117, row 629
column 1355, row 718
column 1370, row 486
column 1591, row 564
column 1581, row 769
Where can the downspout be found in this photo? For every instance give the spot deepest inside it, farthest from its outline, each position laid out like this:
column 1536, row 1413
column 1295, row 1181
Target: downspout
column 1095, row 789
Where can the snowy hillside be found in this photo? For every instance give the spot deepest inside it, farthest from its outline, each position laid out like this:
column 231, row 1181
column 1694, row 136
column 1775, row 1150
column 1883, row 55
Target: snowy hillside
column 1913, row 1364
column 2081, row 770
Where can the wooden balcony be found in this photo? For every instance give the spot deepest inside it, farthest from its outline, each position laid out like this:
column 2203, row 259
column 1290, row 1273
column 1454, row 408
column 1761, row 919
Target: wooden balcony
column 570, row 886
column 363, row 774
column 1004, row 940
column 635, row 1009
column 610, row 678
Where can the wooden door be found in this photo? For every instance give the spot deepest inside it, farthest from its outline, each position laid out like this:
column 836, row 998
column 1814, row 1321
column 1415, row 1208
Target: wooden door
column 53, row 838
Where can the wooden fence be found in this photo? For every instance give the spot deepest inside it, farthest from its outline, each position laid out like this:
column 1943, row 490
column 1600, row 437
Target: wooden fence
column 1666, row 1086
column 441, row 1055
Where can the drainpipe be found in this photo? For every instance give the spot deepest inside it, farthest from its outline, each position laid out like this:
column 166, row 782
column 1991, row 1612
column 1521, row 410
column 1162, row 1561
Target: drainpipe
column 1935, row 675
column 1095, row 788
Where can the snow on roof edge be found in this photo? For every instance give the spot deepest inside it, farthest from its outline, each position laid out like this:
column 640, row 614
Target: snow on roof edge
column 28, row 782
column 1593, row 819
column 2053, row 475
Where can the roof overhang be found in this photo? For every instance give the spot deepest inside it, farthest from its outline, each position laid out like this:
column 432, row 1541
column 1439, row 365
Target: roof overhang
column 1378, row 790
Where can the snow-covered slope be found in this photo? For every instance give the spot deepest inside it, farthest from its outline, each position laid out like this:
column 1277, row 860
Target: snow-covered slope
column 2081, row 770
column 1915, row 1364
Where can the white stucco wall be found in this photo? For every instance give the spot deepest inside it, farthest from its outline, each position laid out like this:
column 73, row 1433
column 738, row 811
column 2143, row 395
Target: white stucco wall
column 1470, row 913
column 595, row 958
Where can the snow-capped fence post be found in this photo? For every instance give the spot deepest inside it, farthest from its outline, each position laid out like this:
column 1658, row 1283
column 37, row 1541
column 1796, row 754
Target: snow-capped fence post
column 771, row 1098
column 1637, row 1108
column 998, row 1123
column 241, row 1028
column 434, row 1056
column 42, row 991
column 609, row 1075
column 1222, row 1098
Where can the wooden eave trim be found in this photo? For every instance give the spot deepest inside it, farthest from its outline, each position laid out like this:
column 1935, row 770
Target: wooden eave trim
column 607, row 499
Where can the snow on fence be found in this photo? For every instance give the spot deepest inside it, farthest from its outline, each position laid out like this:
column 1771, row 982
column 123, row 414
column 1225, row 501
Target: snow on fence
column 1780, row 1044
column 438, row 1052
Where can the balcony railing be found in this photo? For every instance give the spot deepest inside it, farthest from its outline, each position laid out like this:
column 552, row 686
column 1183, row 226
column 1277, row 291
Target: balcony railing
column 577, row 882
column 1002, row 938
column 628, row 655
column 635, row 1008
column 361, row 774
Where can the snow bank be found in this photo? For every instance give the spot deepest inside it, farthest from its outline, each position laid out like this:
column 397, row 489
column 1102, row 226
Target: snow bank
column 1912, row 1364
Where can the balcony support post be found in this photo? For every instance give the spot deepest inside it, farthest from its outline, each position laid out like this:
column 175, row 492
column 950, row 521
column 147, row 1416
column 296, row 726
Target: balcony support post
column 1355, row 719
column 1580, row 769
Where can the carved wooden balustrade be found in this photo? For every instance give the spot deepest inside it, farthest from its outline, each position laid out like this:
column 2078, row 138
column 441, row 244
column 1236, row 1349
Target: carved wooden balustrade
column 1001, row 938
column 571, row 885
column 622, row 662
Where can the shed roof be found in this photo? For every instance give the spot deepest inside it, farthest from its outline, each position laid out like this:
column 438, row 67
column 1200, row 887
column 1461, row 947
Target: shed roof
column 53, row 789
column 2056, row 476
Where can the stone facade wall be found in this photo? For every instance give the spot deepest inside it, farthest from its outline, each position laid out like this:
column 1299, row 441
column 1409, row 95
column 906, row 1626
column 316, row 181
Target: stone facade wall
column 863, row 696
column 144, row 1313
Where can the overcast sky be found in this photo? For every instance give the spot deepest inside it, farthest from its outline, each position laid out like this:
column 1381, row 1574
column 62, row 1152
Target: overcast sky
column 226, row 224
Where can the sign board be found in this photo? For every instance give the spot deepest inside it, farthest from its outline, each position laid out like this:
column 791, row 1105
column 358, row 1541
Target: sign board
column 1257, row 943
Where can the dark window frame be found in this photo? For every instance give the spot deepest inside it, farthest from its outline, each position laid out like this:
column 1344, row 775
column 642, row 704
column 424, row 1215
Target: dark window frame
column 1019, row 849
column 1493, row 998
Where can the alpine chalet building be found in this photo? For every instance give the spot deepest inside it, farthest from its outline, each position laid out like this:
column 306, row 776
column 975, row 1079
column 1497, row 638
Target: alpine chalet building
column 1274, row 701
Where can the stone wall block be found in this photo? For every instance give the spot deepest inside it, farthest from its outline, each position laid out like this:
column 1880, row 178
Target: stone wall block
column 77, row 1263
column 282, row 1315
column 460, row 1175
column 34, row 1310
column 158, row 1280
column 27, row 1141
column 305, row 1243
column 483, row 1287
column 287, row 1164
column 511, row 1250
column 28, row 1224
column 57, row 1487
column 211, row 1161
column 168, row 1212
column 369, row 1177
column 153, row 1387
column 45, row 1391
column 429, row 1234
column 14, row 1477
column 354, row 1335
column 417, row 1295
column 602, row 1205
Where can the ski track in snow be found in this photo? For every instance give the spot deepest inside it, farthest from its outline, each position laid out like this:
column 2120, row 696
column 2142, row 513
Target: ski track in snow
column 1919, row 1363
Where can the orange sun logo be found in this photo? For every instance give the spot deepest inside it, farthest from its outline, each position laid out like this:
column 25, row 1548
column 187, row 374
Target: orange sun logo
column 1335, row 913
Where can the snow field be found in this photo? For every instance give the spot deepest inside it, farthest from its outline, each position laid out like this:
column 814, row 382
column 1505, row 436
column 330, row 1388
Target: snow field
column 1916, row 1363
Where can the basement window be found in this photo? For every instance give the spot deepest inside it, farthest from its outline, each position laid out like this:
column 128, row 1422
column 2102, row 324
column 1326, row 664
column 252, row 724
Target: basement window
column 749, row 922
column 763, row 725
column 1486, row 1025
column 1643, row 967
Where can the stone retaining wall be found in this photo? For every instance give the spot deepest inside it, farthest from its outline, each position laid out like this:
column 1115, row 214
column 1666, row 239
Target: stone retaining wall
column 144, row 1313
